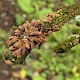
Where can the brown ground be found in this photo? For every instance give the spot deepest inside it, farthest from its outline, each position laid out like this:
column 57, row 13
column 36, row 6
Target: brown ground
column 5, row 71
column 8, row 9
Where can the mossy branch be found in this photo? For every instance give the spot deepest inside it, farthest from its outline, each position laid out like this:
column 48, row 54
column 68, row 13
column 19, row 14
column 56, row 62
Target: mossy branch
column 32, row 33
column 66, row 45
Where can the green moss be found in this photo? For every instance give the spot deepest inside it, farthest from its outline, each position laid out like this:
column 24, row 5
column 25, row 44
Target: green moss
column 67, row 13
column 67, row 44
column 76, row 31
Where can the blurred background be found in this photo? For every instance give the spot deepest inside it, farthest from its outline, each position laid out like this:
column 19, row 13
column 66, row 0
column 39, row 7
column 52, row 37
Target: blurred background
column 43, row 63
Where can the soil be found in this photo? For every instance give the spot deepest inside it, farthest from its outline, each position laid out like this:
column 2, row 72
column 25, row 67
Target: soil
column 5, row 71
column 8, row 9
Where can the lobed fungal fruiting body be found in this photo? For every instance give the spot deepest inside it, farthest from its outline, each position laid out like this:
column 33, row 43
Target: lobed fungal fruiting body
column 32, row 33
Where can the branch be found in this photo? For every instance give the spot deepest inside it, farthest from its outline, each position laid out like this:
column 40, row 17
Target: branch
column 32, row 33
column 67, row 44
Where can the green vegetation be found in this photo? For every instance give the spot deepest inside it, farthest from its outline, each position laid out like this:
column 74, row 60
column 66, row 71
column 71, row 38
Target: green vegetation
column 44, row 63
column 3, row 37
